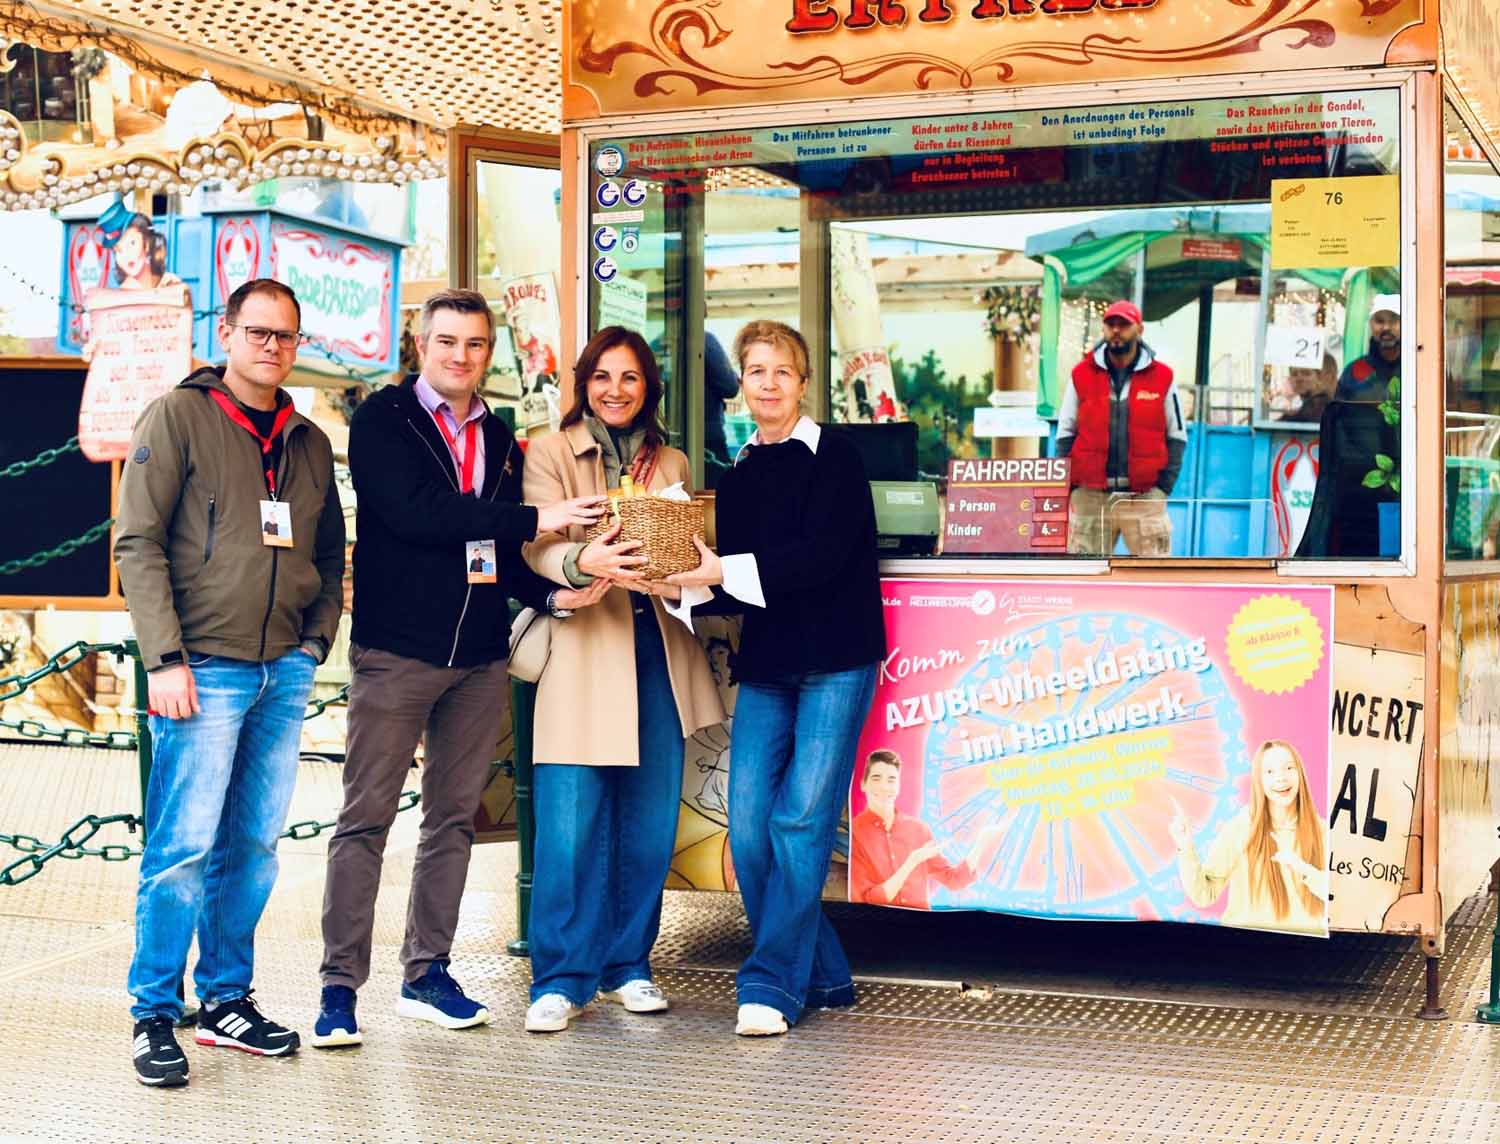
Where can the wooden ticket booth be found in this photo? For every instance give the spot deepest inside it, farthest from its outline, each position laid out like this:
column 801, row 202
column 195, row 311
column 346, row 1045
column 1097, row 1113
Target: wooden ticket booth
column 945, row 198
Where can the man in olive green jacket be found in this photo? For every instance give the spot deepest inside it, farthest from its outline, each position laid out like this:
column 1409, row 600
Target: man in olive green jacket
column 230, row 545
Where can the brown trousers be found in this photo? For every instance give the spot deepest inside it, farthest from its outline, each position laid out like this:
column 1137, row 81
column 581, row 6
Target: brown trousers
column 1097, row 519
column 393, row 701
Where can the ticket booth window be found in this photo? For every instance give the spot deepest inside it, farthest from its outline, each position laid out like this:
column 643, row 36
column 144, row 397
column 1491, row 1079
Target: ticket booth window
column 955, row 276
column 1472, row 316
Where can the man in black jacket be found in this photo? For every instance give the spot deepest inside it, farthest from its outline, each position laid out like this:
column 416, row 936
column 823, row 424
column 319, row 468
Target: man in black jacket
column 438, row 481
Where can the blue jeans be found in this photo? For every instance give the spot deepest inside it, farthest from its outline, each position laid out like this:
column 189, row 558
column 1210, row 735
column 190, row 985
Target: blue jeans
column 604, row 840
column 791, row 757
column 220, row 785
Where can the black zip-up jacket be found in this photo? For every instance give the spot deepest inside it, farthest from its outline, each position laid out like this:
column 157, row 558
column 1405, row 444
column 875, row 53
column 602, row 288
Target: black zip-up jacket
column 411, row 590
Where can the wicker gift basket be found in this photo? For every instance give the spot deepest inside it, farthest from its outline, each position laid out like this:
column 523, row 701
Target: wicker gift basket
column 664, row 527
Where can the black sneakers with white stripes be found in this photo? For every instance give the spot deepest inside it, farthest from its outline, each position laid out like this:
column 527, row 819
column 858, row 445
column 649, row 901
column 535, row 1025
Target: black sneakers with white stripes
column 238, row 1024
column 158, row 1058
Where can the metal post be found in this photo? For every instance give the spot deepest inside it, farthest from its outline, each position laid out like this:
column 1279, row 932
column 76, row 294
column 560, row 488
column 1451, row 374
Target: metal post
column 142, row 727
column 1489, row 1012
column 691, row 375
column 522, row 712
column 1433, row 1010
column 815, row 305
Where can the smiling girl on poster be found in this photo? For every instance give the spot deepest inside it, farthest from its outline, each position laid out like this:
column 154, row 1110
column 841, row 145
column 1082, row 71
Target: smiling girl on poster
column 1272, row 856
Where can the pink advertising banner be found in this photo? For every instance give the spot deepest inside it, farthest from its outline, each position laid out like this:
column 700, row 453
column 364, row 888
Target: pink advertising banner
column 1142, row 752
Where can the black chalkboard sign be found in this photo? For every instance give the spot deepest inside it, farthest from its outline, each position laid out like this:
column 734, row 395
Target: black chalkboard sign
column 42, row 508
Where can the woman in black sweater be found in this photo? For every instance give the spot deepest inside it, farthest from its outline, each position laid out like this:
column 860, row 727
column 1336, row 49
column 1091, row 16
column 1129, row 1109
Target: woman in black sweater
column 796, row 533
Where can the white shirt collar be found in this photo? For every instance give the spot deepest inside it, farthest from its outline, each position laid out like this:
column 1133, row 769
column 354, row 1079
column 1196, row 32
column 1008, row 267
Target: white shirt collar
column 808, row 431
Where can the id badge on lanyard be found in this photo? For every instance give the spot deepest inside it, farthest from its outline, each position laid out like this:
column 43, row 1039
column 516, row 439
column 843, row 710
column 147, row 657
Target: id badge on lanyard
column 479, row 560
column 275, row 515
column 276, row 524
column 479, row 555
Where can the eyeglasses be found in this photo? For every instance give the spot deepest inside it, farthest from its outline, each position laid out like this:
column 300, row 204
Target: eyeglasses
column 262, row 335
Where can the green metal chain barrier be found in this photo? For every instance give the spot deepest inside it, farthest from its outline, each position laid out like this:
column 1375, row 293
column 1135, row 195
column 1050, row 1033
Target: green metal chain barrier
column 105, row 740
column 73, row 843
column 316, row 707
column 70, row 736
column 66, row 548
column 65, row 660
column 36, row 853
column 70, row 657
column 302, row 831
column 41, row 460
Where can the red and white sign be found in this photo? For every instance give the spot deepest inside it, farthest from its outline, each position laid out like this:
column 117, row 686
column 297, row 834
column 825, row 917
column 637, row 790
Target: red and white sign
column 869, row 385
column 531, row 311
column 345, row 289
column 1007, row 506
column 236, row 254
column 141, row 345
column 88, row 269
column 1212, row 249
column 1294, row 477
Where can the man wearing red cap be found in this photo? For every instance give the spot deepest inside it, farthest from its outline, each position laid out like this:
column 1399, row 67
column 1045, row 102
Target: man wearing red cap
column 1121, row 423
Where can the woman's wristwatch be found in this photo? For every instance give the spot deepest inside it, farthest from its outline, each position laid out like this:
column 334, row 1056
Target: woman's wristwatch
column 553, row 610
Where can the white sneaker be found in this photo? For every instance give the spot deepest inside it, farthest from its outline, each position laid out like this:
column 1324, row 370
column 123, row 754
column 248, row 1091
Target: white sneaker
column 759, row 1021
column 550, row 1013
column 638, row 996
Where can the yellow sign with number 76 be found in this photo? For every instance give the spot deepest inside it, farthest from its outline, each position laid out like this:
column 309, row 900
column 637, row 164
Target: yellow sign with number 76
column 1334, row 224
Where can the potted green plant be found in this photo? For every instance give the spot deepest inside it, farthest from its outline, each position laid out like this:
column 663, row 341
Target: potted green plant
column 1387, row 475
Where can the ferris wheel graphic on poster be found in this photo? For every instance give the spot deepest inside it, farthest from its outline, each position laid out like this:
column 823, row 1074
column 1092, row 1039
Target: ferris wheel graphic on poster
column 1114, row 861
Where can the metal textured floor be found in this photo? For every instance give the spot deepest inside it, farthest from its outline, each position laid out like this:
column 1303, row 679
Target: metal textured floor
column 969, row 1027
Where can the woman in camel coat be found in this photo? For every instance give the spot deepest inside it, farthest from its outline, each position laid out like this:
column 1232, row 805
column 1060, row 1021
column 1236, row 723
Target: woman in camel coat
column 624, row 686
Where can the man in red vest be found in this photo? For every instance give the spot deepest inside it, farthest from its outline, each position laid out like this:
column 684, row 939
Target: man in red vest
column 1121, row 423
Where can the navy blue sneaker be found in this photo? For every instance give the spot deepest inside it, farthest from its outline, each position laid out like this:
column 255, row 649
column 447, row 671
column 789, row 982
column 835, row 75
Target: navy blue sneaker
column 436, row 997
column 336, row 1027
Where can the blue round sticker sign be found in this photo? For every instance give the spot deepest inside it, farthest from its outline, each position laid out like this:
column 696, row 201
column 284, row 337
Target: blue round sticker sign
column 609, row 162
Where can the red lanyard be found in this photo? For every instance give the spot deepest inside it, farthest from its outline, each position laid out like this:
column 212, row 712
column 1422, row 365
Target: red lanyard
column 644, row 467
column 237, row 415
column 466, row 466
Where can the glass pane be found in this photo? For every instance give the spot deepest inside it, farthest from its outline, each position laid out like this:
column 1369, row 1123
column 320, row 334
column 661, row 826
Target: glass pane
column 1472, row 308
column 635, row 263
column 1297, row 394
column 967, row 264
column 517, row 255
column 751, row 271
